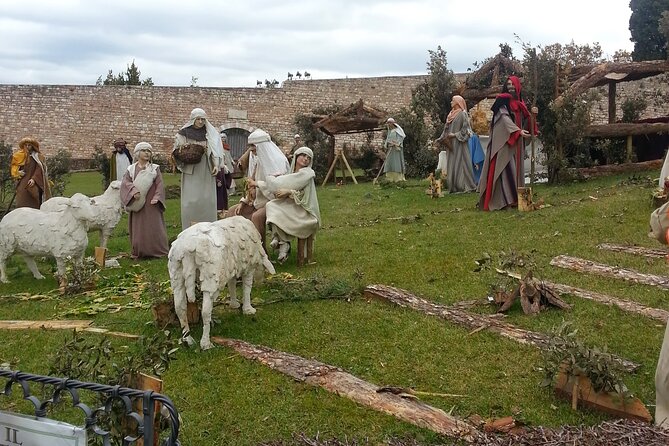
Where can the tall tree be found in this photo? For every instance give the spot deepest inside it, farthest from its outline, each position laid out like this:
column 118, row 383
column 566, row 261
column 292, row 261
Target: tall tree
column 132, row 76
column 649, row 43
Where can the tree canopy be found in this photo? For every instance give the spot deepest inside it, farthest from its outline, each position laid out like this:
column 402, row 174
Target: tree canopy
column 132, row 76
column 649, row 41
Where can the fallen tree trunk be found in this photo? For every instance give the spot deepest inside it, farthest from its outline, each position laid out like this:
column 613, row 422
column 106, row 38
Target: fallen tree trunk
column 636, row 250
column 588, row 266
column 625, row 305
column 475, row 322
column 342, row 383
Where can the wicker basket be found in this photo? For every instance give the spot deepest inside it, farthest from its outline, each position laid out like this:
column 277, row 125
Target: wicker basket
column 189, row 154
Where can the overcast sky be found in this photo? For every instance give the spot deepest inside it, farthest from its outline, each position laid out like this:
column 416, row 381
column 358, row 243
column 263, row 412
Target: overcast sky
column 233, row 43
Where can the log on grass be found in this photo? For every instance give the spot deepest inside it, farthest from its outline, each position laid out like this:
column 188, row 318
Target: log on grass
column 636, row 250
column 49, row 325
column 335, row 380
column 471, row 321
column 588, row 266
column 625, row 305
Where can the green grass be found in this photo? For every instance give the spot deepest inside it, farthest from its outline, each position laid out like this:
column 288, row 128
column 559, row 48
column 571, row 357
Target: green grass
column 225, row 399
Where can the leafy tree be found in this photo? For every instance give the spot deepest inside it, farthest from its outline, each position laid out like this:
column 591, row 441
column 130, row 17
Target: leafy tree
column 562, row 126
column 649, row 42
column 432, row 98
column 132, row 76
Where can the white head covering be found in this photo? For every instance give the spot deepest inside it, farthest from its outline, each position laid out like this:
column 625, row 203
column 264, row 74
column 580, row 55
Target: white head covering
column 142, row 146
column 308, row 199
column 270, row 159
column 214, row 144
column 399, row 129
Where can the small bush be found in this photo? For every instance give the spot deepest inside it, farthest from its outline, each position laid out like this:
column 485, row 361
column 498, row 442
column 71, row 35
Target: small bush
column 59, row 171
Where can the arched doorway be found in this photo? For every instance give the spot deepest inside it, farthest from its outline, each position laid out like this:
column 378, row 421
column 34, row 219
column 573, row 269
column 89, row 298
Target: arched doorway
column 238, row 136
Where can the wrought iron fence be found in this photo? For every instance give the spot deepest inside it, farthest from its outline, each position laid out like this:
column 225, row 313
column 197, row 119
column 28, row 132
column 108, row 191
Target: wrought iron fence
column 112, row 394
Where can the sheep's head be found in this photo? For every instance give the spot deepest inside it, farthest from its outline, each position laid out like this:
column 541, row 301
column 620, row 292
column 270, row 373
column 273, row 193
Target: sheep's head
column 81, row 207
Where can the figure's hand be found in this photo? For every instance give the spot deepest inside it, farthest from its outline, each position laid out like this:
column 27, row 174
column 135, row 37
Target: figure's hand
column 534, row 110
column 225, row 169
column 238, row 209
column 525, row 133
column 154, row 201
column 282, row 193
column 451, row 135
column 252, row 183
column 214, row 170
column 136, row 196
column 31, row 182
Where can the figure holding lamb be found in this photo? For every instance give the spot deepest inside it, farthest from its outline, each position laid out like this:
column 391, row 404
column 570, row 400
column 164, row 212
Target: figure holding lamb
column 143, row 195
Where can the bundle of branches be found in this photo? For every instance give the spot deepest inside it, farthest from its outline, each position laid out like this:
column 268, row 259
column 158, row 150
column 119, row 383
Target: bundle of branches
column 534, row 296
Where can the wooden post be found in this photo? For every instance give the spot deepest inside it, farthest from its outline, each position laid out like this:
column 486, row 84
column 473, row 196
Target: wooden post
column 147, row 382
column 612, row 102
column 629, row 148
column 100, row 256
column 525, row 199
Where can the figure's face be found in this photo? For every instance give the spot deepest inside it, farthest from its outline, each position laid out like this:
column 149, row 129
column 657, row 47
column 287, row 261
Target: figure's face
column 510, row 88
column 144, row 155
column 302, row 160
column 252, row 148
column 199, row 123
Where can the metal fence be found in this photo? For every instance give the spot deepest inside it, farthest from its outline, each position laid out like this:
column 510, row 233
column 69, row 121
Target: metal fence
column 112, row 396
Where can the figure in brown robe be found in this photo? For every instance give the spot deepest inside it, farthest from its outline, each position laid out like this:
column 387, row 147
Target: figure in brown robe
column 28, row 168
column 143, row 195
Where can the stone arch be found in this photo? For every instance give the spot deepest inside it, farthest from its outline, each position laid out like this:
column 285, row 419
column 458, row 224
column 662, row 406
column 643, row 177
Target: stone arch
column 238, row 133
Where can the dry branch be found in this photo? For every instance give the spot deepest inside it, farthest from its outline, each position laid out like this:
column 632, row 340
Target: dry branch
column 51, row 325
column 636, row 250
column 337, row 381
column 588, row 266
column 534, row 295
column 467, row 320
column 625, row 305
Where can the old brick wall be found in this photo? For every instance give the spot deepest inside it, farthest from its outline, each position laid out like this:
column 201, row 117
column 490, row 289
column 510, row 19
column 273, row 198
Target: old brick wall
column 80, row 118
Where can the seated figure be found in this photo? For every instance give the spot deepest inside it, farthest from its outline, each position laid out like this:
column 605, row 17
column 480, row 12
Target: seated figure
column 295, row 211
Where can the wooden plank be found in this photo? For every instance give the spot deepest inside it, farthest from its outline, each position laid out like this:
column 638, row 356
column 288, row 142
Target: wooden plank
column 600, row 269
column 470, row 321
column 625, row 305
column 635, row 250
column 51, row 325
column 335, row 380
column 104, row 331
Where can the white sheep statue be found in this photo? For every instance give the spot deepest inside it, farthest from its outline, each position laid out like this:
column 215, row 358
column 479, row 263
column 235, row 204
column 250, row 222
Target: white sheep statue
column 33, row 232
column 107, row 210
column 216, row 253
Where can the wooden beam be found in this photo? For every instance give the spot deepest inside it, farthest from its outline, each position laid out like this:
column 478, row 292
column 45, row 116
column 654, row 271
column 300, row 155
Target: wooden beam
column 624, row 129
column 600, row 269
column 55, row 325
column 471, row 321
column 608, row 169
column 335, row 380
column 635, row 250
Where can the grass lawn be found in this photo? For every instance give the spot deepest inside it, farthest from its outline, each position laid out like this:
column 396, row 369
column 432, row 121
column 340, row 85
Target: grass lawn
column 395, row 236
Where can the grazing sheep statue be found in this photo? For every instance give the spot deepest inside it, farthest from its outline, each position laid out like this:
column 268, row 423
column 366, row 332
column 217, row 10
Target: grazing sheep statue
column 33, row 232
column 107, row 210
column 216, row 253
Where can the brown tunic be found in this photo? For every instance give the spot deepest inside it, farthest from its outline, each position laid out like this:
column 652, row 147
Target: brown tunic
column 33, row 196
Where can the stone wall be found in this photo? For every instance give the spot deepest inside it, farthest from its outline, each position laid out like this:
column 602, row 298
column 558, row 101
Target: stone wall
column 80, row 118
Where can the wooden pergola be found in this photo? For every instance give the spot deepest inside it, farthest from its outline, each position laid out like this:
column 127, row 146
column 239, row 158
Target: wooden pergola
column 356, row 118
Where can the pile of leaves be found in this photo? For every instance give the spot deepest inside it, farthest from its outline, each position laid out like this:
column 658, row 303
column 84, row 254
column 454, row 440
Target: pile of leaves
column 566, row 352
column 286, row 287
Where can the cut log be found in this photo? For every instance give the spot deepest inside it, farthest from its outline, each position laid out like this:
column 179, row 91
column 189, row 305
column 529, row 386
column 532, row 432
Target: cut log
column 50, row 325
column 335, row 380
column 625, row 305
column 588, row 266
column 470, row 321
column 636, row 250
column 578, row 389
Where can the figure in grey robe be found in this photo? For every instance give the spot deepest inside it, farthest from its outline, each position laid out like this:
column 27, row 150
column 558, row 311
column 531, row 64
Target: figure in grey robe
column 662, row 384
column 394, row 145
column 198, row 181
column 459, row 170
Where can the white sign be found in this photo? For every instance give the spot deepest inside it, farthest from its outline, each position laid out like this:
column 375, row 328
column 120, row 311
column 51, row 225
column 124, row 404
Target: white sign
column 22, row 430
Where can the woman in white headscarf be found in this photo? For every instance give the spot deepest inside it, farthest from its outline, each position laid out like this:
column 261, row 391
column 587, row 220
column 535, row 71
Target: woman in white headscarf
column 198, row 176
column 143, row 195
column 394, row 144
column 265, row 159
column 295, row 211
